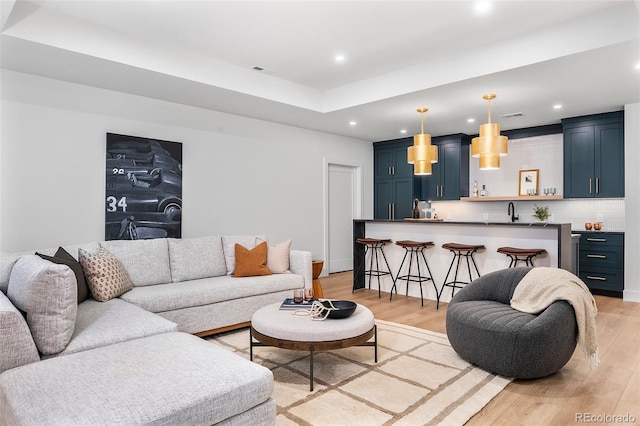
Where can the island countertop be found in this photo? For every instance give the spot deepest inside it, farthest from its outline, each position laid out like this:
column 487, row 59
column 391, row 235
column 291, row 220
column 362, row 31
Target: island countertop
column 553, row 237
column 454, row 222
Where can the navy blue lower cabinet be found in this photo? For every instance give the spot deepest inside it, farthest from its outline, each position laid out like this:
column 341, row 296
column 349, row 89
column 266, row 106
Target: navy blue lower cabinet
column 602, row 262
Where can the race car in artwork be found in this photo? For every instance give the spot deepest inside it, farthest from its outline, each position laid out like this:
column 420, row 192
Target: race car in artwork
column 151, row 155
column 146, row 200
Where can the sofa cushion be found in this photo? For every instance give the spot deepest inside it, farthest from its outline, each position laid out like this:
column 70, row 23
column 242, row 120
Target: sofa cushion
column 205, row 291
column 63, row 258
column 105, row 274
column 47, row 292
column 146, row 261
column 16, row 344
column 7, row 260
column 229, row 247
column 278, row 257
column 251, row 262
column 105, row 323
column 194, row 258
column 166, row 379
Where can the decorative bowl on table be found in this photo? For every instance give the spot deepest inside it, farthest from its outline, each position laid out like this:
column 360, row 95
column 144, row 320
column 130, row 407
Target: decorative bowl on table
column 341, row 308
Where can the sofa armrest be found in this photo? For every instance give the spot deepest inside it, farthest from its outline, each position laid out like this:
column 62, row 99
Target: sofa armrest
column 300, row 263
column 16, row 344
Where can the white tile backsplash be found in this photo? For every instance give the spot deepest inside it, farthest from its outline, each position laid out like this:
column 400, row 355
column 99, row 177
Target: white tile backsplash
column 544, row 153
column 574, row 211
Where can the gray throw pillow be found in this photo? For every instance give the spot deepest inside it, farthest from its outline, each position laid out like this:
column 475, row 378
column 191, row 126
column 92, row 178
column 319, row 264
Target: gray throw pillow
column 47, row 292
column 62, row 257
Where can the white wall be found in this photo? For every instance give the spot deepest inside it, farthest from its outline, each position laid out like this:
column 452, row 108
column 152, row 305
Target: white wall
column 241, row 176
column 632, row 202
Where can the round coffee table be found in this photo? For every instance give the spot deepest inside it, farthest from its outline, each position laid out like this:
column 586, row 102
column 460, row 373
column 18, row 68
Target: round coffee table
column 281, row 328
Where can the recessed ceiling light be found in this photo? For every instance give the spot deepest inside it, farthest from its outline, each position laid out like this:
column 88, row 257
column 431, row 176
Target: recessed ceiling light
column 471, row 120
column 403, row 131
column 352, row 123
column 483, row 7
column 557, row 106
column 340, row 58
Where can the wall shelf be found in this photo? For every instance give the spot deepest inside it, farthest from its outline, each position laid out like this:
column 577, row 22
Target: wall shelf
column 515, row 198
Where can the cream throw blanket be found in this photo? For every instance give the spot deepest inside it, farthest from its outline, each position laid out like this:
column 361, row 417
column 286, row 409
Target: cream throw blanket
column 542, row 286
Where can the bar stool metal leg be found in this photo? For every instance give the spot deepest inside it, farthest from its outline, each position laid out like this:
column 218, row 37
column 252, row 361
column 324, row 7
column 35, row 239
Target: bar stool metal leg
column 458, row 251
column 374, row 248
column 414, row 250
column 525, row 255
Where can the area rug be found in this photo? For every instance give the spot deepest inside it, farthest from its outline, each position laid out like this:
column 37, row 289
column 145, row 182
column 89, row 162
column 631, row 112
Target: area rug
column 418, row 380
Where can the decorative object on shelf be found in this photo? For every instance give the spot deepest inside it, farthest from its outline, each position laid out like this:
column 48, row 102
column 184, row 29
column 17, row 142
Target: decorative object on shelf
column 475, row 189
column 416, row 211
column 422, row 154
column 489, row 146
column 588, row 226
column 483, row 191
column 528, row 182
column 541, row 213
column 597, row 226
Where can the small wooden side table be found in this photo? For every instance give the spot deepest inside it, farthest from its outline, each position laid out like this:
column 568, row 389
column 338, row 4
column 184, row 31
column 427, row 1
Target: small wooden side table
column 316, row 269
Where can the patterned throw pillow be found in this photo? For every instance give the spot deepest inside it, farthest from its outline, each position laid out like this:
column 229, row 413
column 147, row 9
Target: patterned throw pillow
column 251, row 263
column 105, row 275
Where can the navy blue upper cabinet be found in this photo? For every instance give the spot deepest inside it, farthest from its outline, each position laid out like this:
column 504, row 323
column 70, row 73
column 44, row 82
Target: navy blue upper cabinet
column 594, row 156
column 394, row 183
column 450, row 175
column 390, row 160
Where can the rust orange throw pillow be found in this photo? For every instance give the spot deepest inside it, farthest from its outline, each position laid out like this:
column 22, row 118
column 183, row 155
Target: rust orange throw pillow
column 251, row 263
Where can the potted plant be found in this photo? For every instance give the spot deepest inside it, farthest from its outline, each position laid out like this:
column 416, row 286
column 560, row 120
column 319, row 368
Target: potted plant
column 541, row 213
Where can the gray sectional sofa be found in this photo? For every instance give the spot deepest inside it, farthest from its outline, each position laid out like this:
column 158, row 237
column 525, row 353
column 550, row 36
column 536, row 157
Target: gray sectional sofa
column 133, row 359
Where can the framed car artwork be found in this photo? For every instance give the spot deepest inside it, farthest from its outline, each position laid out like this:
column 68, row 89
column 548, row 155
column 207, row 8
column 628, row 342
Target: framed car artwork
column 143, row 194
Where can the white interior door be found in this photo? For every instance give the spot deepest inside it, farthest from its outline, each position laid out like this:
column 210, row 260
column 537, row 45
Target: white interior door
column 342, row 209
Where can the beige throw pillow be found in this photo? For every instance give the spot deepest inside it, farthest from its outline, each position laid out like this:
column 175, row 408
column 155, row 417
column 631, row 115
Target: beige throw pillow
column 278, row 257
column 105, row 275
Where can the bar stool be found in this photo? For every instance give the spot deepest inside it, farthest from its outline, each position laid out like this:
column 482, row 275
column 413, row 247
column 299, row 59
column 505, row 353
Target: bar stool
column 415, row 250
column 459, row 251
column 521, row 255
column 374, row 246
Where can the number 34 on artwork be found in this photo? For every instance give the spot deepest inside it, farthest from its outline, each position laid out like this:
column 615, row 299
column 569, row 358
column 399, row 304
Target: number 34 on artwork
column 114, row 204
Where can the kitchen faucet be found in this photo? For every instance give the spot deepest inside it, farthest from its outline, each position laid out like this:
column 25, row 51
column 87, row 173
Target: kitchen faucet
column 511, row 210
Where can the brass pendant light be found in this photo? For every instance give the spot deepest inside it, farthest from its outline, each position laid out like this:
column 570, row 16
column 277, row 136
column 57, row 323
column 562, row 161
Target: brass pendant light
column 489, row 146
column 422, row 154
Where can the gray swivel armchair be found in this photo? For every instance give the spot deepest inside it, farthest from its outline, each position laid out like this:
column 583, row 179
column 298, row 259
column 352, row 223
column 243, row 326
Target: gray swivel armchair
column 484, row 330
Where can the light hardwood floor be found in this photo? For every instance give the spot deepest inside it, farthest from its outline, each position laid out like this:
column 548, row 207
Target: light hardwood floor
column 613, row 388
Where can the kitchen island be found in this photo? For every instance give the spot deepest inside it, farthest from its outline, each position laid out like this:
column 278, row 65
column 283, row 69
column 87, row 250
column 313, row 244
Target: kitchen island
column 555, row 238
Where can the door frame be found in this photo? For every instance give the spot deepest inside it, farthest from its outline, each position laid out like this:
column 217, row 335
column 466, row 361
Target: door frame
column 358, row 198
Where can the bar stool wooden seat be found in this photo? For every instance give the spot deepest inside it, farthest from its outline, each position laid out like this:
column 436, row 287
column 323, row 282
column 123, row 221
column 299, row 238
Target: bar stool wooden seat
column 521, row 255
column 459, row 251
column 374, row 247
column 415, row 250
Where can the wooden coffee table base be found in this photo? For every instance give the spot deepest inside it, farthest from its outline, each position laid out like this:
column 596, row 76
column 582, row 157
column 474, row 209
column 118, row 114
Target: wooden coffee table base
column 362, row 340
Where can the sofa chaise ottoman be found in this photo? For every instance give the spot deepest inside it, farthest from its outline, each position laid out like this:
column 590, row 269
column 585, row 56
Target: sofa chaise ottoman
column 166, row 379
